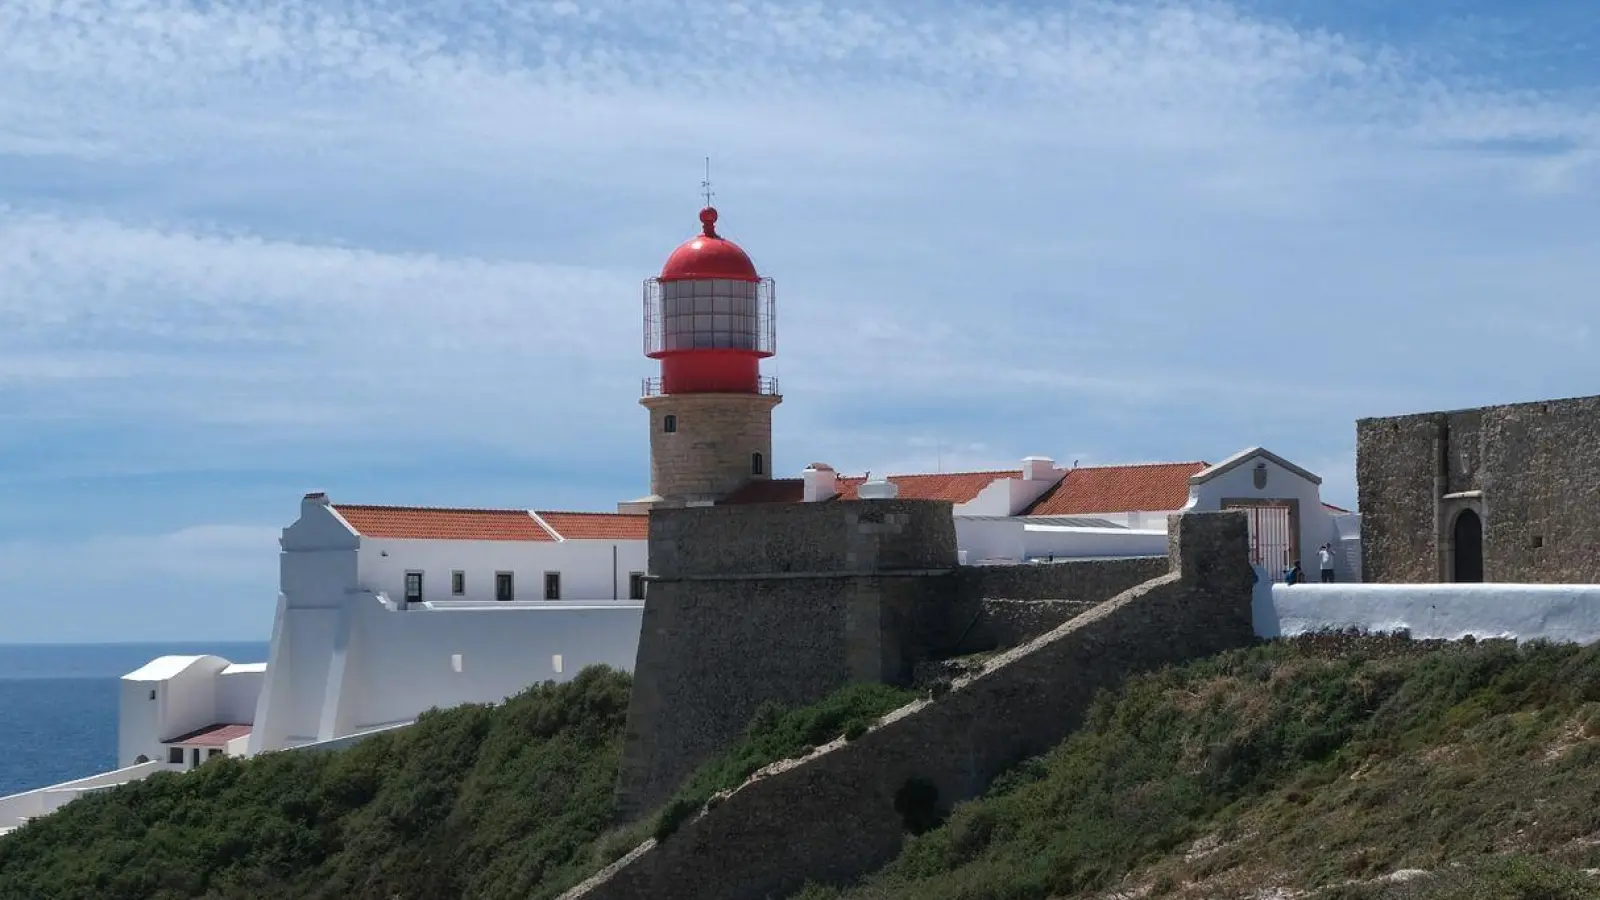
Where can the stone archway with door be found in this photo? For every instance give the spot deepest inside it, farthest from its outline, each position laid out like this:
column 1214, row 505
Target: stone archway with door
column 1462, row 526
column 1466, row 541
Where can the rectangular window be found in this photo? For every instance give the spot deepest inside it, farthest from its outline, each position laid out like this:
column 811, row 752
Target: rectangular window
column 175, row 755
column 413, row 587
column 458, row 583
column 552, row 585
column 635, row 585
column 504, row 587
column 214, row 751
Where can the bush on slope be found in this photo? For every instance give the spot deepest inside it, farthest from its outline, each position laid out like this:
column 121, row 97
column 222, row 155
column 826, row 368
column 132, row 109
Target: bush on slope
column 1300, row 766
column 504, row 801
column 475, row 801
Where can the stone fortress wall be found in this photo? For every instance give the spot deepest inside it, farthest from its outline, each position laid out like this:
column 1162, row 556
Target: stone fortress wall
column 785, row 826
column 789, row 602
column 1529, row 471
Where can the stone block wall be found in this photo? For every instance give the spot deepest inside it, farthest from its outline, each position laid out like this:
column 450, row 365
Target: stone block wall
column 1002, row 606
column 781, row 602
column 1531, row 471
column 1085, row 579
column 834, row 538
column 1010, row 623
column 708, row 453
column 838, row 814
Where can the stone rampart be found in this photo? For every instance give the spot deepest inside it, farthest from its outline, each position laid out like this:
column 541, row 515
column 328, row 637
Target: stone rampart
column 1009, row 623
column 1002, row 606
column 1091, row 580
column 779, row 602
column 845, row 810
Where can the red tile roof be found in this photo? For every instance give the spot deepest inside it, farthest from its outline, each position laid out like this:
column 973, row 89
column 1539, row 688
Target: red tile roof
column 957, row 487
column 1331, row 508
column 1111, row 489
column 596, row 526
column 212, row 735
column 423, row 523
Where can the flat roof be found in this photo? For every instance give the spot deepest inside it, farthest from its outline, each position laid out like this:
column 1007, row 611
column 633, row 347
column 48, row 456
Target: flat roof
column 217, row 735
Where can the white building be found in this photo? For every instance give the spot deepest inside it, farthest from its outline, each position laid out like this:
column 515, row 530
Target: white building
column 1041, row 511
column 387, row 611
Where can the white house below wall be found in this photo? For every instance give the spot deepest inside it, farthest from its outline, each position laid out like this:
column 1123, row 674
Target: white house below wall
column 184, row 703
column 991, row 540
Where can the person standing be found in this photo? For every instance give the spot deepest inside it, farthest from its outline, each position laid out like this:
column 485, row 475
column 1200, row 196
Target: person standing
column 1325, row 560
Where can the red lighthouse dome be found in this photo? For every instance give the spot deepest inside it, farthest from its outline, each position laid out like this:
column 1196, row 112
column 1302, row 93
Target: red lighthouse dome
column 709, row 318
column 709, row 255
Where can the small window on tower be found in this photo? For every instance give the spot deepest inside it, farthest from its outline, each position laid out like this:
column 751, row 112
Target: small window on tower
column 758, row 464
column 669, row 423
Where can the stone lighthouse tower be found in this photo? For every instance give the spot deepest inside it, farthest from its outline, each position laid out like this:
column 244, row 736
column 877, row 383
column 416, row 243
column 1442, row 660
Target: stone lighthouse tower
column 708, row 317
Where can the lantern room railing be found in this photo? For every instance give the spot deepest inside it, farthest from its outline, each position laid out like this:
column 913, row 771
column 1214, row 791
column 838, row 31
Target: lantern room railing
column 766, row 385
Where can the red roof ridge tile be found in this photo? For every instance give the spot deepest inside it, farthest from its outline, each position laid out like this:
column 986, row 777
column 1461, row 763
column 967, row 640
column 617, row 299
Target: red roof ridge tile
column 404, row 507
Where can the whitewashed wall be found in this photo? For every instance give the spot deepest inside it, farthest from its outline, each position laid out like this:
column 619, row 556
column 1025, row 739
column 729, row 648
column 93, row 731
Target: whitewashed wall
column 405, row 661
column 590, row 570
column 1553, row 612
column 1015, row 539
column 238, row 690
column 17, row 809
column 344, row 660
column 1070, row 542
column 186, row 699
column 1010, row 496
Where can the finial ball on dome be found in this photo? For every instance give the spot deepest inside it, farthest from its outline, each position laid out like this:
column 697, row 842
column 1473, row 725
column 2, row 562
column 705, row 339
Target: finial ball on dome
column 708, row 219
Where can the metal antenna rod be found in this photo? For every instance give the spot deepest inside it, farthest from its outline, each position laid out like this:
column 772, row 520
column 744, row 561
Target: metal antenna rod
column 705, row 186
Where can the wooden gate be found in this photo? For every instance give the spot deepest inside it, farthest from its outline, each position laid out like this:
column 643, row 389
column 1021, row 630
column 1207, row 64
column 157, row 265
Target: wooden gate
column 1272, row 533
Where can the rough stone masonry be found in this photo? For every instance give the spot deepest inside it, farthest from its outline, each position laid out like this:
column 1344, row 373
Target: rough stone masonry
column 846, row 809
column 1528, row 473
column 790, row 601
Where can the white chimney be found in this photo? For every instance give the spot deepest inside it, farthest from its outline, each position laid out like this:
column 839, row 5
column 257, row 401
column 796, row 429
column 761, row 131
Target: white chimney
column 821, row 482
column 881, row 489
column 1038, row 468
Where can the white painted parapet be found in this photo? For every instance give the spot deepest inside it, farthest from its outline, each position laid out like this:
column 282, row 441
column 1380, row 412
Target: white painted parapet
column 1561, row 613
column 17, row 809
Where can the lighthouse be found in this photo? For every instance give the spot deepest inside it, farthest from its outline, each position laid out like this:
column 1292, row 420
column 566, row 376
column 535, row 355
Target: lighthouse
column 708, row 318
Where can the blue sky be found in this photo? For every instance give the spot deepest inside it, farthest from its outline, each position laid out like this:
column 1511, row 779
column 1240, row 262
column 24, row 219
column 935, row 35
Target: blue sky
column 249, row 249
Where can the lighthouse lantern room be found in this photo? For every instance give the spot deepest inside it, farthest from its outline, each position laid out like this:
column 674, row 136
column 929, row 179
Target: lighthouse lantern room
column 709, row 319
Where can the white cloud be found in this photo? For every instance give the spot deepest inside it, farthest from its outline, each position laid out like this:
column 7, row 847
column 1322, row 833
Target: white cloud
column 236, row 232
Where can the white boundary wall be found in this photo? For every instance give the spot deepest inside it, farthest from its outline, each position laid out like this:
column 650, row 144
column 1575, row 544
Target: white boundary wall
column 1561, row 613
column 17, row 809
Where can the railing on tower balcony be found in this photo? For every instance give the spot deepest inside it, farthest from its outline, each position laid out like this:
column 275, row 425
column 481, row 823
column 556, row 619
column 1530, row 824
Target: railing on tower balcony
column 766, row 385
column 710, row 314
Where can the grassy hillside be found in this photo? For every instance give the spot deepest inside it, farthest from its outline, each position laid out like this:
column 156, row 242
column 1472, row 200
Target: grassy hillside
column 1346, row 769
column 503, row 801
column 1338, row 768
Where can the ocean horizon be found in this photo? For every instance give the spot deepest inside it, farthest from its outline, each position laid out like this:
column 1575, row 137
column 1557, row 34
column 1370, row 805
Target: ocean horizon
column 58, row 704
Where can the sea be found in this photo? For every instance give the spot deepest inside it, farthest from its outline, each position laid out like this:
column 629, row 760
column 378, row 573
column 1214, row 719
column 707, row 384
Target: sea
column 58, row 705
